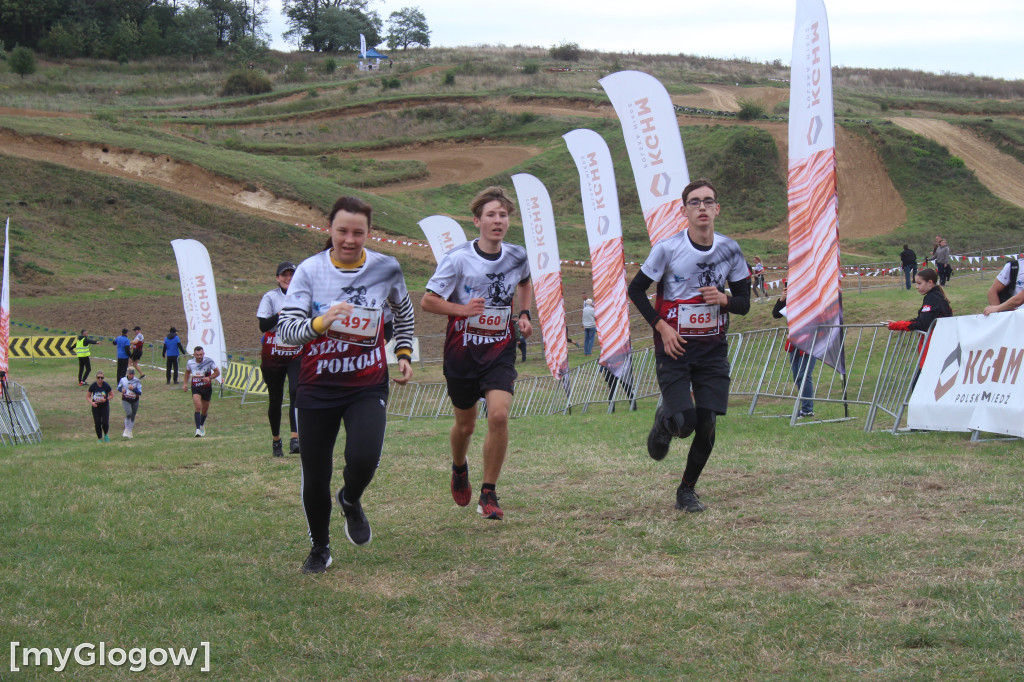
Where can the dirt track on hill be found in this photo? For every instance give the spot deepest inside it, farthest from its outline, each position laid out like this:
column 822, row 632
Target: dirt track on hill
column 869, row 204
column 1001, row 173
column 454, row 163
column 727, row 97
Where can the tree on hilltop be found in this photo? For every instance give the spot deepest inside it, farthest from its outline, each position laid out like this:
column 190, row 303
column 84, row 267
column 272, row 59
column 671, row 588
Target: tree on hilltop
column 330, row 25
column 408, row 26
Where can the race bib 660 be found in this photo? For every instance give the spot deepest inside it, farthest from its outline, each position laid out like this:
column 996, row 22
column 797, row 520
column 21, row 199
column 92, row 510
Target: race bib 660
column 493, row 321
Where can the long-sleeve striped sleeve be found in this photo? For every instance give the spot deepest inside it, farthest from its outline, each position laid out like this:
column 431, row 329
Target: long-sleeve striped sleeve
column 405, row 320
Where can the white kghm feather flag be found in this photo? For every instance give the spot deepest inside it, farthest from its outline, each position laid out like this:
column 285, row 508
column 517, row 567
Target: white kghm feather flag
column 199, row 296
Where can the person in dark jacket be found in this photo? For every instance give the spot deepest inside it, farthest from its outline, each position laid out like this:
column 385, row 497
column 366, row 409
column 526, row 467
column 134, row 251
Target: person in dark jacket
column 908, row 259
column 123, row 344
column 172, row 349
column 935, row 304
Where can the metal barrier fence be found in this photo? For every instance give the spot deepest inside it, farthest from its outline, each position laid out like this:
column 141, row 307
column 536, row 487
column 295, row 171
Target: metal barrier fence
column 881, row 367
column 858, row 345
column 18, row 422
column 899, row 372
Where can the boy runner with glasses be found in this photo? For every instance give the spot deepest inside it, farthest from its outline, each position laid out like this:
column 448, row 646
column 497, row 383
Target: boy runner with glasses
column 690, row 321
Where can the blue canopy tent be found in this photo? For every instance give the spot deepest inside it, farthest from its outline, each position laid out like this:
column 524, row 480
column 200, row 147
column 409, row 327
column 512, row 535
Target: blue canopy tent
column 371, row 65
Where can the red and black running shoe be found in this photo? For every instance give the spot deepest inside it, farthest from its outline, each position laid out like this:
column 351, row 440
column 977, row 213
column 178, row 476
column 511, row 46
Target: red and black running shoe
column 488, row 506
column 461, row 492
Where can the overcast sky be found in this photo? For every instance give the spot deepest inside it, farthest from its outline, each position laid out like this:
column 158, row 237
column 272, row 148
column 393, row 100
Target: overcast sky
column 985, row 37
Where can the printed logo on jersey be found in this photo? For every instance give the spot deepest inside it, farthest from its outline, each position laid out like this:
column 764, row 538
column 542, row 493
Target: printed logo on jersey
column 353, row 295
column 497, row 292
column 356, row 295
column 707, row 276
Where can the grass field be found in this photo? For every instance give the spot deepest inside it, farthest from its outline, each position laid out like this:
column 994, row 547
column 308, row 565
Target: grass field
column 826, row 552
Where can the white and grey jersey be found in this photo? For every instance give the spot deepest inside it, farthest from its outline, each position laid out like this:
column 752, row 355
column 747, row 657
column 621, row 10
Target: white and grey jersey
column 333, row 365
column 463, row 274
column 198, row 370
column 271, row 303
column 682, row 269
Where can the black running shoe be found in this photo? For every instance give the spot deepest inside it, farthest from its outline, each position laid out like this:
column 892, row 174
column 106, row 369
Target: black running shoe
column 318, row 560
column 357, row 527
column 658, row 439
column 293, row 446
column 278, row 448
column 688, row 500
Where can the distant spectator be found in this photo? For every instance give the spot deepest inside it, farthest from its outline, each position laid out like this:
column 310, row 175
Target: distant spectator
column 589, row 326
column 757, row 274
column 82, row 344
column 908, row 259
column 801, row 364
column 942, row 262
column 172, row 350
column 123, row 344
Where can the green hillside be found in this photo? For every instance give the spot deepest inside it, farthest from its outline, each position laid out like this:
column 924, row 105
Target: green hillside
column 316, row 137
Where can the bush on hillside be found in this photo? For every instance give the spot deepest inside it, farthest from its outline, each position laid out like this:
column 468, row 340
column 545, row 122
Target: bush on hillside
column 566, row 52
column 295, row 73
column 449, row 78
column 750, row 110
column 22, row 61
column 531, row 67
column 328, row 65
column 246, row 82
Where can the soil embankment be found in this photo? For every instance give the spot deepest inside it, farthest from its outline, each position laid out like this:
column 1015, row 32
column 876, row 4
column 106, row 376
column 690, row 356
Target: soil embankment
column 1001, row 173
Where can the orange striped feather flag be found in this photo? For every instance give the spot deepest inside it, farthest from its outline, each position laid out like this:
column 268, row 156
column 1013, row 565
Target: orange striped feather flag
column 604, row 233
column 545, row 269
column 814, row 297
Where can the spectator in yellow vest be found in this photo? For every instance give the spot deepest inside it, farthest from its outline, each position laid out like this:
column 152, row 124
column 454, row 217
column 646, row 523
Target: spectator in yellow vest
column 82, row 344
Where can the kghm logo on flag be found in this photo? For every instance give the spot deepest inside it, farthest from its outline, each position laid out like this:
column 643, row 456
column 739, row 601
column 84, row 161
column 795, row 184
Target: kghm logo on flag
column 947, row 377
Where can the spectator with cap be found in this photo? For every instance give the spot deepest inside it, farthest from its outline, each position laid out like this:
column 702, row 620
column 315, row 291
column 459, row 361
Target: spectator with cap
column 171, row 350
column 279, row 361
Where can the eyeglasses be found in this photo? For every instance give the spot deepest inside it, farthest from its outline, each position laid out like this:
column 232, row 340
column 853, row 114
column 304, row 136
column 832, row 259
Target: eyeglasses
column 708, row 203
